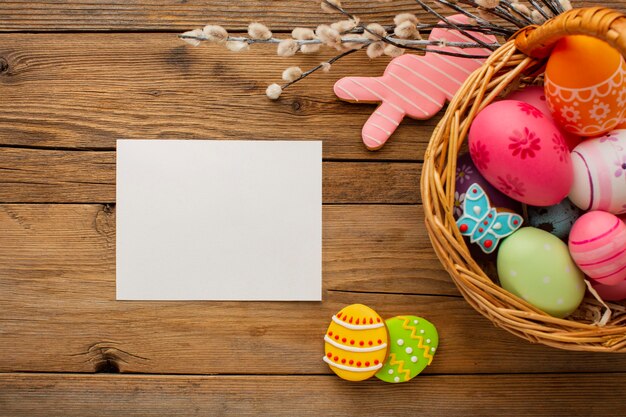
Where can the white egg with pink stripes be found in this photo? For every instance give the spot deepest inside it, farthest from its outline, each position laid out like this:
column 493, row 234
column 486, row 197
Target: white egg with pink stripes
column 600, row 173
column 597, row 243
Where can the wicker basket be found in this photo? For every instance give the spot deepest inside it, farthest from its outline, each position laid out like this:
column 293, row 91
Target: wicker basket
column 520, row 59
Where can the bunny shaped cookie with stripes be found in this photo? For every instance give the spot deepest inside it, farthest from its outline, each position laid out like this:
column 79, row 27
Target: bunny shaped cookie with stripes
column 413, row 85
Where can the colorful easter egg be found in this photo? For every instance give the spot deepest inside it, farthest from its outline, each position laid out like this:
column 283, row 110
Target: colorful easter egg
column 557, row 219
column 483, row 224
column 585, row 85
column 536, row 97
column 597, row 243
column 466, row 175
column 536, row 266
column 413, row 342
column 355, row 343
column 600, row 173
column 521, row 152
column 610, row 292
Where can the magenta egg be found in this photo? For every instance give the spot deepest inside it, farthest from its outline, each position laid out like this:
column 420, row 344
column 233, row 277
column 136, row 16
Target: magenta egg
column 600, row 173
column 521, row 152
column 536, row 96
column 611, row 292
column 597, row 243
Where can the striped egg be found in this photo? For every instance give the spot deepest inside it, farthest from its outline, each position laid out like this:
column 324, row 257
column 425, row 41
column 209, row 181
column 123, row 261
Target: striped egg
column 356, row 343
column 597, row 243
column 600, row 173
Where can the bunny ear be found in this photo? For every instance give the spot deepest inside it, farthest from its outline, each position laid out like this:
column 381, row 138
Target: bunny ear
column 358, row 89
column 381, row 124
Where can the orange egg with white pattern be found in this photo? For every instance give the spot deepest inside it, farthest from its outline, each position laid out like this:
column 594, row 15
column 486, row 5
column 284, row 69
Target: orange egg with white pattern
column 585, row 85
column 356, row 343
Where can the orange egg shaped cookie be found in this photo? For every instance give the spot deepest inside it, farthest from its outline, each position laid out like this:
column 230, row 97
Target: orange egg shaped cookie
column 585, row 85
column 356, row 343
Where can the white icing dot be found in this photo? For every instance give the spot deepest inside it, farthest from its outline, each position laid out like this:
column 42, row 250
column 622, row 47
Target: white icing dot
column 427, row 340
column 513, row 273
column 497, row 226
column 559, row 301
column 476, row 210
column 415, row 321
column 432, row 349
column 546, row 280
column 547, row 246
column 422, row 331
column 413, row 359
column 409, row 350
column 396, row 379
column 400, row 342
column 390, row 371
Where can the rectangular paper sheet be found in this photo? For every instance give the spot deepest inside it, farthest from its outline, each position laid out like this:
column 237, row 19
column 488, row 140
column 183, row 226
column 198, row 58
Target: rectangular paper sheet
column 219, row 220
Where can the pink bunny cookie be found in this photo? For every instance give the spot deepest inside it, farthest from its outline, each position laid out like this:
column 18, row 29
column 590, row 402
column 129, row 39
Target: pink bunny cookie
column 413, row 85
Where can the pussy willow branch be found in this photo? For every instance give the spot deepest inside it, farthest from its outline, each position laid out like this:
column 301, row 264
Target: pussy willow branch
column 396, row 42
column 465, row 33
column 402, row 42
column 320, row 66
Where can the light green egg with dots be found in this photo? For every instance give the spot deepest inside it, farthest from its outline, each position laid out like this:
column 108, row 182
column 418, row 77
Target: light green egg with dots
column 537, row 267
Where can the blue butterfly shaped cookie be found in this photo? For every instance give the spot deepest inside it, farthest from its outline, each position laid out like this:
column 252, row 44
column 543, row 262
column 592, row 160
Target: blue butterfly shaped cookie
column 483, row 224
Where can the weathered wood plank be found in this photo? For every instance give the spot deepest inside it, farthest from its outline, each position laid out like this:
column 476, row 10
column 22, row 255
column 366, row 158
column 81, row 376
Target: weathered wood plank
column 103, row 15
column 58, row 310
column 111, row 395
column 44, row 176
column 87, row 90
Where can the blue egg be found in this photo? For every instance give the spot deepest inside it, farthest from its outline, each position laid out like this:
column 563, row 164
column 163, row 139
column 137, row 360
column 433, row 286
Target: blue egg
column 557, row 219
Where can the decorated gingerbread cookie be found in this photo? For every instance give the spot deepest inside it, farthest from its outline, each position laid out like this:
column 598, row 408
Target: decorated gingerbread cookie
column 413, row 342
column 413, row 85
column 355, row 343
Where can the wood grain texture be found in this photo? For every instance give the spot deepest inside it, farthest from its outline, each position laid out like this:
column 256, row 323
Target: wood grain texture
column 87, row 90
column 57, row 304
column 131, row 15
column 105, row 15
column 44, row 176
column 497, row 395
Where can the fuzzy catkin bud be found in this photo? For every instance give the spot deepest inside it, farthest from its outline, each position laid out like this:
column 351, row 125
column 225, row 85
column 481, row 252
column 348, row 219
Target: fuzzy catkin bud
column 215, row 33
column 488, row 4
column 196, row 33
column 237, row 46
column 377, row 30
column 405, row 17
column 292, row 73
column 393, row 51
column 259, row 31
column 273, row 91
column 325, row 66
column 344, row 26
column 330, row 9
column 328, row 35
column 565, row 4
column 303, row 34
column 310, row 48
column 287, row 47
column 376, row 49
column 406, row 30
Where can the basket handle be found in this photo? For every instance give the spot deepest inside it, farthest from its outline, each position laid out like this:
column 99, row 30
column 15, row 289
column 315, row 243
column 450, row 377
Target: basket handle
column 599, row 22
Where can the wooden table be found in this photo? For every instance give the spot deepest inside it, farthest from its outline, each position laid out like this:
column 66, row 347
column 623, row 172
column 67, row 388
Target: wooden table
column 77, row 75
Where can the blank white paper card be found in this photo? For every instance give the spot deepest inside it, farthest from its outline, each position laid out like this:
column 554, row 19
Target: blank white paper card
column 219, row 220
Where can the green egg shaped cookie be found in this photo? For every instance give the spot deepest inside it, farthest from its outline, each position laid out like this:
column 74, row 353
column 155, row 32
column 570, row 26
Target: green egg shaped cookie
column 413, row 342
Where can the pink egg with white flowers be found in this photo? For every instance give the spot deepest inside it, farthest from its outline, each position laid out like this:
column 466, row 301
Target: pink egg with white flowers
column 600, row 173
column 536, row 96
column 597, row 243
column 521, row 152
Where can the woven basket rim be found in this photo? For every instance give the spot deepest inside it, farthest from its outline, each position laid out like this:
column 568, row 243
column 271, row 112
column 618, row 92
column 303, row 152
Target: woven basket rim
column 501, row 71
